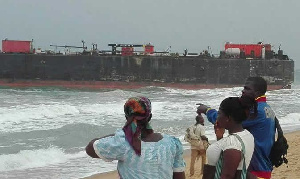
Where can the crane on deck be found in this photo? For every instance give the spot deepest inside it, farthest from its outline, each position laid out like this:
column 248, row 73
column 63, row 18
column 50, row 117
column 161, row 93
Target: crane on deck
column 69, row 46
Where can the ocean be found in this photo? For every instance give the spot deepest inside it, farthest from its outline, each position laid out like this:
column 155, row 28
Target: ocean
column 44, row 131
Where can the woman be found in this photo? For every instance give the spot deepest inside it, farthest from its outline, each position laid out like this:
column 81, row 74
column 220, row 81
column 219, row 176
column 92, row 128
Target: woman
column 140, row 152
column 230, row 156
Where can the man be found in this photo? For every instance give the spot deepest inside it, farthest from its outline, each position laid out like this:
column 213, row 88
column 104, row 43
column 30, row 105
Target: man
column 196, row 133
column 262, row 127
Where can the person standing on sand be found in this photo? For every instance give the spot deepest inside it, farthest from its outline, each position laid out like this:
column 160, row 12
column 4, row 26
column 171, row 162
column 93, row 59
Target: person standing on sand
column 230, row 156
column 262, row 127
column 140, row 152
column 196, row 133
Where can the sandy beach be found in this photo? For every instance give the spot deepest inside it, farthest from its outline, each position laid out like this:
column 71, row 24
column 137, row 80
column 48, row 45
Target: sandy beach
column 290, row 171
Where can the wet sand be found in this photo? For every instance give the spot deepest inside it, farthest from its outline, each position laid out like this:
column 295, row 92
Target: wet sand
column 290, row 171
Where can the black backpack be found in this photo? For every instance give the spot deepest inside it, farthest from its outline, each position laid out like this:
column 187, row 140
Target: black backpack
column 279, row 148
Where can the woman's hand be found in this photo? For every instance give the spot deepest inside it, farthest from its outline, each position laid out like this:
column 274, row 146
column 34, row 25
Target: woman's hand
column 219, row 131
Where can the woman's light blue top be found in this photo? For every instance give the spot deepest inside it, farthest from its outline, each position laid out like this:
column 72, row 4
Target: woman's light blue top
column 158, row 160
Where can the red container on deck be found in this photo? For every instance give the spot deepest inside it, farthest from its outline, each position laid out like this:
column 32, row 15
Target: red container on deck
column 267, row 47
column 127, row 51
column 250, row 48
column 149, row 49
column 16, row 46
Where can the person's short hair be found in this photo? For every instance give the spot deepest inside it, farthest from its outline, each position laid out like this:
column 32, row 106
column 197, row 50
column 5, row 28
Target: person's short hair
column 259, row 84
column 199, row 119
column 239, row 107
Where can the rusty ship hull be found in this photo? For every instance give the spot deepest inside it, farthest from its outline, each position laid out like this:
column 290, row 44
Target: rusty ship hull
column 128, row 72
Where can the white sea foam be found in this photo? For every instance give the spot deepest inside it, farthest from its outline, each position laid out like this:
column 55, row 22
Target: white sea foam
column 292, row 118
column 35, row 117
column 26, row 159
column 173, row 111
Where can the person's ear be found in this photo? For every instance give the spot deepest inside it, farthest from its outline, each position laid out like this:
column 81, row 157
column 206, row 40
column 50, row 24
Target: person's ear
column 228, row 119
column 257, row 94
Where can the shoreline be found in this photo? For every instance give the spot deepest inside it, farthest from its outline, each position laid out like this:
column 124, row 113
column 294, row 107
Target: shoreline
column 290, row 170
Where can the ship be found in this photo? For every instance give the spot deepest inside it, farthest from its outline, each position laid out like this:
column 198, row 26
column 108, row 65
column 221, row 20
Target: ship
column 125, row 67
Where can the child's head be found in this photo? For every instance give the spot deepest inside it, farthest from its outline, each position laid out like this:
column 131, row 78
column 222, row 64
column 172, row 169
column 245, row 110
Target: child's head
column 199, row 119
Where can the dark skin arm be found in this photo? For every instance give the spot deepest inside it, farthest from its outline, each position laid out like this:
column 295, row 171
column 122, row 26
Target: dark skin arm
column 178, row 175
column 89, row 149
column 231, row 160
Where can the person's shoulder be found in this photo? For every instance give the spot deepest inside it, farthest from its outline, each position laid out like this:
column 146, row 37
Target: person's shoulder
column 120, row 132
column 264, row 111
column 172, row 139
column 261, row 105
column 230, row 142
column 245, row 133
column 167, row 136
column 119, row 136
column 200, row 126
column 191, row 126
column 230, row 139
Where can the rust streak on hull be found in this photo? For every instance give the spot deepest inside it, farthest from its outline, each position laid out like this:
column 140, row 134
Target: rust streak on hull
column 117, row 84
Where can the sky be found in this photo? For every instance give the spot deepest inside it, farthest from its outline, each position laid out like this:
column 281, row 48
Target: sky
column 181, row 24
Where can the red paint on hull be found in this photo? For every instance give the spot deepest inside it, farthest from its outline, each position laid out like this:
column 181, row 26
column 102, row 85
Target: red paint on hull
column 116, row 84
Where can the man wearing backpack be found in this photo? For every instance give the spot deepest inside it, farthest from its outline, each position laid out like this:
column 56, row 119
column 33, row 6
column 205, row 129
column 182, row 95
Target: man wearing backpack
column 199, row 143
column 262, row 127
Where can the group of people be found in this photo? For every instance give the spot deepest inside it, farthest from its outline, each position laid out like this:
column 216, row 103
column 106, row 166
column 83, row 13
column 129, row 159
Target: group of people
column 243, row 153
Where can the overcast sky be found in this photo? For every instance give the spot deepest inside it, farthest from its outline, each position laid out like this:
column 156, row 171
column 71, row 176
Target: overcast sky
column 191, row 24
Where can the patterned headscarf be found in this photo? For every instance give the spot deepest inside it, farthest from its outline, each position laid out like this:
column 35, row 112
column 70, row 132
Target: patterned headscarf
column 138, row 114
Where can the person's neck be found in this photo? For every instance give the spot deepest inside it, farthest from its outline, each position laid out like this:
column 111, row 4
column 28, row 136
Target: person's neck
column 153, row 137
column 235, row 129
column 260, row 96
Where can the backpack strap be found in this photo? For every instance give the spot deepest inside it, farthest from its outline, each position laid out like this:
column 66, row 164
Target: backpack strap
column 219, row 167
column 278, row 127
column 244, row 170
